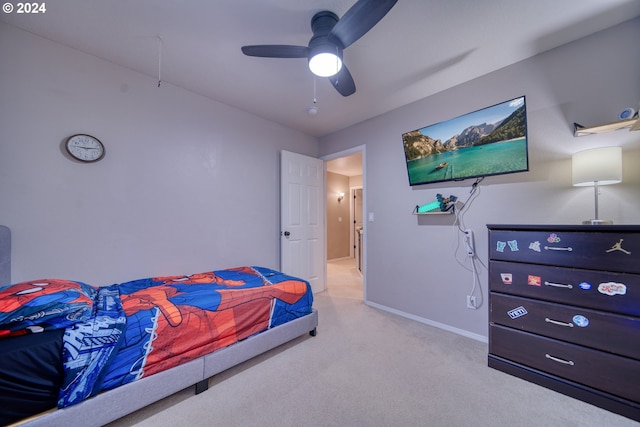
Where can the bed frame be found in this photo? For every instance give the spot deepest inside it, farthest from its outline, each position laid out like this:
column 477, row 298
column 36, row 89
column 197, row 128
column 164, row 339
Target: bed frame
column 113, row 404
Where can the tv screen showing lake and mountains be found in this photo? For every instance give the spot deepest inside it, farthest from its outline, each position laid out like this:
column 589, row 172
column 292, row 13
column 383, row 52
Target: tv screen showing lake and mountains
column 490, row 141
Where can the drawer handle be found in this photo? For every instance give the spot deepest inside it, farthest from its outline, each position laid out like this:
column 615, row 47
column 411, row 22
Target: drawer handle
column 557, row 322
column 558, row 285
column 557, row 359
column 555, row 248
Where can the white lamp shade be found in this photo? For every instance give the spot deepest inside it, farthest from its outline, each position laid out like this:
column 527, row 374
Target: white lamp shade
column 601, row 165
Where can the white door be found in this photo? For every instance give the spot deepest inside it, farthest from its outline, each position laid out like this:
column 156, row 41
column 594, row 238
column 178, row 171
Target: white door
column 302, row 204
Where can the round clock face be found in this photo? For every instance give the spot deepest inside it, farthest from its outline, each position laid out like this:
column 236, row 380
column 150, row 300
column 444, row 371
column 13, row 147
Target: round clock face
column 85, row 148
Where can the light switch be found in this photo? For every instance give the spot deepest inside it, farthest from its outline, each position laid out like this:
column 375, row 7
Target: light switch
column 370, row 216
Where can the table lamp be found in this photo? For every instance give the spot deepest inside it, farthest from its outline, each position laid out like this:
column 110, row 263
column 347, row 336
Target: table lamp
column 597, row 166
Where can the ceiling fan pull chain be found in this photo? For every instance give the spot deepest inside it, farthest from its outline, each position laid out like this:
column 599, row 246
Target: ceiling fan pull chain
column 159, row 60
column 315, row 98
column 312, row 110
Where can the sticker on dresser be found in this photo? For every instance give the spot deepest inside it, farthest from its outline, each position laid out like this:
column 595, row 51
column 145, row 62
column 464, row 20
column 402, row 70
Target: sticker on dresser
column 534, row 280
column 553, row 238
column 618, row 247
column 612, row 288
column 513, row 245
column 580, row 320
column 585, row 286
column 517, row 312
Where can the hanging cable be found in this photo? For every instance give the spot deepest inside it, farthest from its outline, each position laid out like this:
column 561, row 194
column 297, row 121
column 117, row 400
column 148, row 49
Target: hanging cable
column 473, row 193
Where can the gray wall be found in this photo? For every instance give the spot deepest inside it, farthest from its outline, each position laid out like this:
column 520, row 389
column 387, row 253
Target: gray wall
column 187, row 184
column 413, row 264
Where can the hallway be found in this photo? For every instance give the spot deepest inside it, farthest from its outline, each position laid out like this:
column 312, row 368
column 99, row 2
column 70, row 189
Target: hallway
column 343, row 279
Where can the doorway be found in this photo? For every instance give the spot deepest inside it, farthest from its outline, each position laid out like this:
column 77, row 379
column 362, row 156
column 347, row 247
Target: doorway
column 346, row 197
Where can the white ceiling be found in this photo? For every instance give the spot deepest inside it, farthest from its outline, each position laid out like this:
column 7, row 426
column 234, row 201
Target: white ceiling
column 420, row 48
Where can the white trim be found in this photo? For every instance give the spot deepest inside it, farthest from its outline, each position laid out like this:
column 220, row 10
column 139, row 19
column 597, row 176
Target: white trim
column 345, row 153
column 339, row 259
column 439, row 325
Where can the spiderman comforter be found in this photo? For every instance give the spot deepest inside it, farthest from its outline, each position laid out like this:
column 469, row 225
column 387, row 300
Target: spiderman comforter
column 117, row 334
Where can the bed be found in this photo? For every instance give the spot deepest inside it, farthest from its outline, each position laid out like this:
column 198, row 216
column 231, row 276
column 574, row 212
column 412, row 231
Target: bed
column 73, row 353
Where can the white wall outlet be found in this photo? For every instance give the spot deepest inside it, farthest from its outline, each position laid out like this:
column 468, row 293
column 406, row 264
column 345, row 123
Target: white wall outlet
column 471, row 302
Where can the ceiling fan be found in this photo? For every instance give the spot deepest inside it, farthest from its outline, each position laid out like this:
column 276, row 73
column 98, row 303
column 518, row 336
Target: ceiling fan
column 331, row 35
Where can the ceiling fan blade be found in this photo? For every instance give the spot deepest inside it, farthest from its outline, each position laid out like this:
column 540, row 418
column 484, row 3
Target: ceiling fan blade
column 362, row 17
column 343, row 82
column 276, row 51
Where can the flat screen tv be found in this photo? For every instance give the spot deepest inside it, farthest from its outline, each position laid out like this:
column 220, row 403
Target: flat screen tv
column 490, row 141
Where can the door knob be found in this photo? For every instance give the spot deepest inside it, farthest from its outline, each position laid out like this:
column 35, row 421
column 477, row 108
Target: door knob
column 287, row 234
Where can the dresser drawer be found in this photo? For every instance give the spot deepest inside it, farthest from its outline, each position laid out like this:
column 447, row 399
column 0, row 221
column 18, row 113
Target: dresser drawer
column 596, row 329
column 597, row 250
column 608, row 291
column 617, row 375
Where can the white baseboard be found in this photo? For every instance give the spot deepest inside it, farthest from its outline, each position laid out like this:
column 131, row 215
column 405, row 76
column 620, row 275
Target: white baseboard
column 439, row 325
column 340, row 259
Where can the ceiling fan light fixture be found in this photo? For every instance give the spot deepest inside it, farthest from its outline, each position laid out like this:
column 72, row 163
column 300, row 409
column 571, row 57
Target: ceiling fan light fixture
column 331, row 35
column 325, row 57
column 325, row 64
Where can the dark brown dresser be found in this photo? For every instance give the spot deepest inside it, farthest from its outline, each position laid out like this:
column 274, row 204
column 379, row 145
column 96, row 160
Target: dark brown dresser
column 564, row 307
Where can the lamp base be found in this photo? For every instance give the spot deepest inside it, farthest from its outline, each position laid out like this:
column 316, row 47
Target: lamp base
column 597, row 222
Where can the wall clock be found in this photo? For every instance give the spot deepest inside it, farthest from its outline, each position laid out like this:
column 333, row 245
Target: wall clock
column 85, row 148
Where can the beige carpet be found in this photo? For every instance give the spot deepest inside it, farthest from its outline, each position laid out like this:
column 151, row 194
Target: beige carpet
column 370, row 368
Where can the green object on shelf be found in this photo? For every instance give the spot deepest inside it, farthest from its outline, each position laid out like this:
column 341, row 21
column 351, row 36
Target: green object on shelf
column 429, row 207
